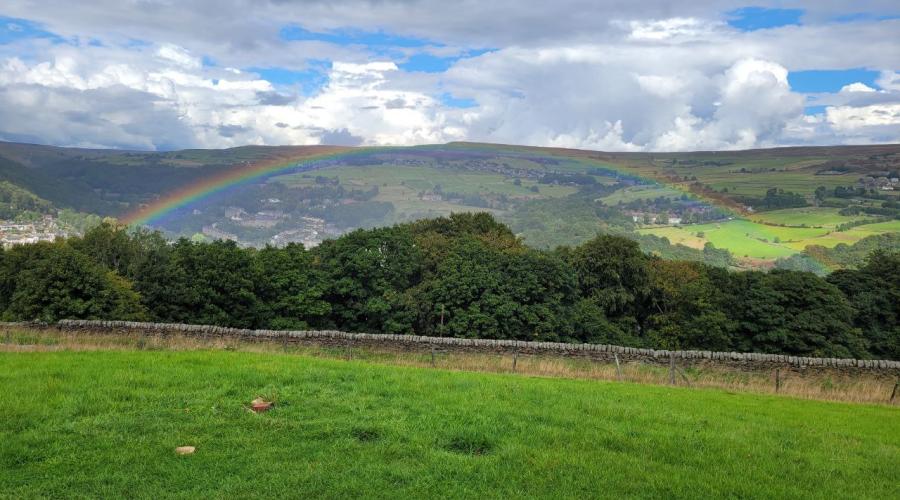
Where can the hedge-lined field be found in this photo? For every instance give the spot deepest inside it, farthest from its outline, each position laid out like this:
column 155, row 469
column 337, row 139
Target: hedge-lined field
column 105, row 424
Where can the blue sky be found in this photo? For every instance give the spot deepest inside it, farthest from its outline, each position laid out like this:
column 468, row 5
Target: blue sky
column 13, row 29
column 605, row 75
column 757, row 18
column 830, row 80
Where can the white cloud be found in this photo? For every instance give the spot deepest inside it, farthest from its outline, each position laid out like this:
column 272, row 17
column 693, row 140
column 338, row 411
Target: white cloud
column 889, row 80
column 857, row 87
column 598, row 75
column 851, row 118
column 178, row 55
column 212, row 108
column 672, row 28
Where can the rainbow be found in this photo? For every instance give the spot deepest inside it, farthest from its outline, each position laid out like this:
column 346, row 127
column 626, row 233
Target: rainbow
column 305, row 157
column 245, row 174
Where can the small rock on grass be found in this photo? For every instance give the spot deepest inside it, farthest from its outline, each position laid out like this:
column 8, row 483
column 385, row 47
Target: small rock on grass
column 260, row 405
column 185, row 450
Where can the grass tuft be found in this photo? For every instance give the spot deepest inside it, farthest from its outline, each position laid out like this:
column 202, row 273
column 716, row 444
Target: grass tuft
column 468, row 444
column 365, row 434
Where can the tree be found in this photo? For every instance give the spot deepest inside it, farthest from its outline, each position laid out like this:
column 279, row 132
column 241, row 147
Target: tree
column 212, row 283
column 365, row 274
column 874, row 293
column 611, row 272
column 791, row 312
column 57, row 282
column 491, row 293
column 110, row 246
column 290, row 294
column 682, row 308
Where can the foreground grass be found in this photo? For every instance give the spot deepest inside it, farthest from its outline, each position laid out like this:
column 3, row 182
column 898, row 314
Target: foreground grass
column 105, row 424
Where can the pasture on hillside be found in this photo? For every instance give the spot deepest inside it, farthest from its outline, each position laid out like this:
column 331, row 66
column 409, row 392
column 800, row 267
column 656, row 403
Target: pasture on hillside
column 755, row 240
column 105, row 424
column 825, row 217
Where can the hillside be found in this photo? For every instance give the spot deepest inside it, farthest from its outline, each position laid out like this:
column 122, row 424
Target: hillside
column 105, row 424
column 759, row 205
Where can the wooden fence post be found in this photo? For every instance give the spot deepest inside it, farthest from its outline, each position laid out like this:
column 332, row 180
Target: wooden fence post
column 618, row 367
column 515, row 360
column 432, row 357
column 778, row 380
column 894, row 392
column 672, row 368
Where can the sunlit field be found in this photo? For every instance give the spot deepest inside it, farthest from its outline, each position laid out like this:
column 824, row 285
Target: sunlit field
column 106, row 424
column 745, row 238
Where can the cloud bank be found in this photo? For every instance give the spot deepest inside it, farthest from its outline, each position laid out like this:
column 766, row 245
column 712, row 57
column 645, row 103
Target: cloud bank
column 596, row 75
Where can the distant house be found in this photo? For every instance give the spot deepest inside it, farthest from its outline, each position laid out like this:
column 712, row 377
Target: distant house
column 235, row 213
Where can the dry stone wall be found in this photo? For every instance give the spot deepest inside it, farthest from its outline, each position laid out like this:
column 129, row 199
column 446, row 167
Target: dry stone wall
column 598, row 352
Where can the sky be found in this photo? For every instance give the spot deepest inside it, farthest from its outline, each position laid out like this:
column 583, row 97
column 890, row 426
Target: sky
column 591, row 74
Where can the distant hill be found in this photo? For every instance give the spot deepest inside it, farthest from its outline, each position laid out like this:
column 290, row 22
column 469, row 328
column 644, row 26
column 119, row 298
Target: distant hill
column 760, row 205
column 111, row 182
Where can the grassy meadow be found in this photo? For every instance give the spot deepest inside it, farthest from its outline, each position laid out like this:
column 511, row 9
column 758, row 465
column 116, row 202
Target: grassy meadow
column 825, row 217
column 757, row 240
column 106, row 423
column 640, row 192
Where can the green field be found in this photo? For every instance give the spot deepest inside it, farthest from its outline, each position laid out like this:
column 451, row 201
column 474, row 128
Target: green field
column 810, row 216
column 791, row 173
column 742, row 237
column 745, row 238
column 105, row 424
column 849, row 236
column 640, row 192
column 796, row 174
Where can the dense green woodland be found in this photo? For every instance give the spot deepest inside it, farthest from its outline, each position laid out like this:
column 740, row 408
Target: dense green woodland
column 463, row 276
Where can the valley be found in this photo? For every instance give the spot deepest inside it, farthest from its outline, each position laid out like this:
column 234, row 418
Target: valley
column 759, row 206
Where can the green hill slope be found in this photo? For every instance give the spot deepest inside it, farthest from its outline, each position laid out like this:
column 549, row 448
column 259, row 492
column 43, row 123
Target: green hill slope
column 758, row 205
column 105, row 424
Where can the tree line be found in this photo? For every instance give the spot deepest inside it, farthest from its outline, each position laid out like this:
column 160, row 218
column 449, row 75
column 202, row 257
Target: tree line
column 466, row 275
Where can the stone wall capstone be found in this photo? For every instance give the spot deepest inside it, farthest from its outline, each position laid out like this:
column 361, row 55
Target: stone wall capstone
column 600, row 352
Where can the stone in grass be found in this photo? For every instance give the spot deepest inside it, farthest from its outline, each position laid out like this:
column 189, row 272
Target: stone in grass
column 185, row 450
column 260, row 405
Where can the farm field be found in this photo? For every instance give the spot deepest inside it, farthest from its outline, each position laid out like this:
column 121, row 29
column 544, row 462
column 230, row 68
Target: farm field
column 789, row 173
column 104, row 424
column 746, row 238
column 742, row 237
column 849, row 236
column 803, row 182
column 811, row 216
column 640, row 192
